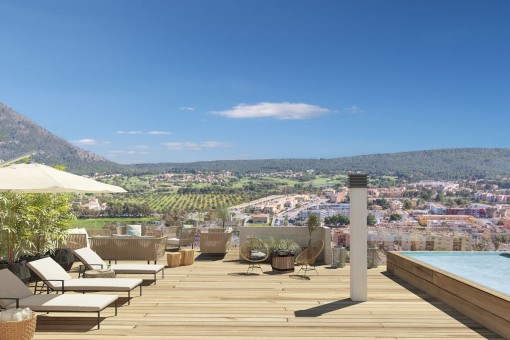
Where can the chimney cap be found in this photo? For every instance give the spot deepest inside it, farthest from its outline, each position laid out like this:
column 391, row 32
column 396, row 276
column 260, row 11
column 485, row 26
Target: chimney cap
column 358, row 181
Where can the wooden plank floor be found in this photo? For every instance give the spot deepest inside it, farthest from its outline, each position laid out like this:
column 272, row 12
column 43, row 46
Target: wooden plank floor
column 214, row 299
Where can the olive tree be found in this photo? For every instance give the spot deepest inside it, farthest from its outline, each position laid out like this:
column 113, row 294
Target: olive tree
column 223, row 215
column 312, row 224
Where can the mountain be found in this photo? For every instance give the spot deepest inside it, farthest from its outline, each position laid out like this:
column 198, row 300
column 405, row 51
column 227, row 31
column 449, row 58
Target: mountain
column 19, row 136
column 468, row 163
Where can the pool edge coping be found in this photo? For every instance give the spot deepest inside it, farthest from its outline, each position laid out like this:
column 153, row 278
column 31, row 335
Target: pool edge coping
column 477, row 302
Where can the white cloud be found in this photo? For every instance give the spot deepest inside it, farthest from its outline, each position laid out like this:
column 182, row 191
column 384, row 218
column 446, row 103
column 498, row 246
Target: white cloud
column 159, row 133
column 89, row 141
column 354, row 109
column 194, row 145
column 129, row 152
column 120, row 132
column 137, row 132
column 186, row 108
column 275, row 110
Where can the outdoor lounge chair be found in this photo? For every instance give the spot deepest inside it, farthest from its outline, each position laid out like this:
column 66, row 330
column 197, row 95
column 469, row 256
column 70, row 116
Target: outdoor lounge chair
column 185, row 236
column 306, row 259
column 92, row 261
column 215, row 241
column 254, row 251
column 57, row 279
column 14, row 294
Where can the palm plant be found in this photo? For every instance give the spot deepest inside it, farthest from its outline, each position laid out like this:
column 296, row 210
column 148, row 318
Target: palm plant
column 15, row 234
column 31, row 223
column 51, row 215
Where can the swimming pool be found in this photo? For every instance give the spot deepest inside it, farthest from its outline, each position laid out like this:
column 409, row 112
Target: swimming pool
column 490, row 269
column 471, row 282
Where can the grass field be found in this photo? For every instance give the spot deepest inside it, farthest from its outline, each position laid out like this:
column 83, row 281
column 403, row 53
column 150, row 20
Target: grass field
column 325, row 180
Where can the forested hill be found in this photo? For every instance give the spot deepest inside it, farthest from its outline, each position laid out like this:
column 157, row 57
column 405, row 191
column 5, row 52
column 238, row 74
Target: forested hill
column 19, row 136
column 431, row 164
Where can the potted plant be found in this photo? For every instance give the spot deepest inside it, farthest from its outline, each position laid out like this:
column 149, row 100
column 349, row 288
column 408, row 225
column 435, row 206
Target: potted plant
column 15, row 233
column 30, row 224
column 283, row 253
column 51, row 214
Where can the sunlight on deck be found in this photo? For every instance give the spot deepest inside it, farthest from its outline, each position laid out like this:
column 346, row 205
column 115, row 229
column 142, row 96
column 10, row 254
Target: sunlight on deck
column 214, row 299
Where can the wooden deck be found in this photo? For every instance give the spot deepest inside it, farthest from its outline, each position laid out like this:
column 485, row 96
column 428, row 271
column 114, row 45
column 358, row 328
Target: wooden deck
column 214, row 299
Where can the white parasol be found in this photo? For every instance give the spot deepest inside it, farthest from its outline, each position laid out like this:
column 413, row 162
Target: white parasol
column 39, row 178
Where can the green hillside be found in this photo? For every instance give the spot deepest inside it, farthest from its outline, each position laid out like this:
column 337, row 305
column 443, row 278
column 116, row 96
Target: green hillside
column 430, row 164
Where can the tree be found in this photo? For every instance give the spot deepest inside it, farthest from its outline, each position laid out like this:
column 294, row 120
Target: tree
column 211, row 216
column 382, row 202
column 480, row 244
column 312, row 224
column 223, row 215
column 174, row 217
column 499, row 239
column 337, row 220
column 407, row 205
column 395, row 217
column 371, row 220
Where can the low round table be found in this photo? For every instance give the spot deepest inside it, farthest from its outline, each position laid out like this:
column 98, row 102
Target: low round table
column 99, row 273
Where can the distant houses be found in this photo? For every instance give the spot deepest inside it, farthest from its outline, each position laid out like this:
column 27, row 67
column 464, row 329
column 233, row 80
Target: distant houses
column 260, row 218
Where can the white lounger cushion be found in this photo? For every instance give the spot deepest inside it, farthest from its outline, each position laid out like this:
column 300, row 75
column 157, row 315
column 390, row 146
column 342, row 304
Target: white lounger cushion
column 90, row 258
column 12, row 286
column 48, row 269
column 66, row 302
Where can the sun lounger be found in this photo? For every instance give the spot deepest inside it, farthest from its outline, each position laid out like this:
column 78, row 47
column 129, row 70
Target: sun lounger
column 91, row 261
column 14, row 294
column 57, row 279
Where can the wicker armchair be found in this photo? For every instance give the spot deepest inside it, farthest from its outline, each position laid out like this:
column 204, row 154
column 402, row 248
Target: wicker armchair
column 170, row 232
column 254, row 251
column 185, row 236
column 215, row 242
column 306, row 259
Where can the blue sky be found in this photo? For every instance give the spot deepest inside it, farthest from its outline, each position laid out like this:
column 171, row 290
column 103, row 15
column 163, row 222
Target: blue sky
column 178, row 81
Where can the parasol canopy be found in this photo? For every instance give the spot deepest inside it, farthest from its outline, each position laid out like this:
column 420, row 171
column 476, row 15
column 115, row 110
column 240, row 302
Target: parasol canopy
column 39, row 178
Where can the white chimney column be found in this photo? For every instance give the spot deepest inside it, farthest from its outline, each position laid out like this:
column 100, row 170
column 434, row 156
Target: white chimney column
column 358, row 232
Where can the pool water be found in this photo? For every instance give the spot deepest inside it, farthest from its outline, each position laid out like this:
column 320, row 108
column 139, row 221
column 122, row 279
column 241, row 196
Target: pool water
column 489, row 269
